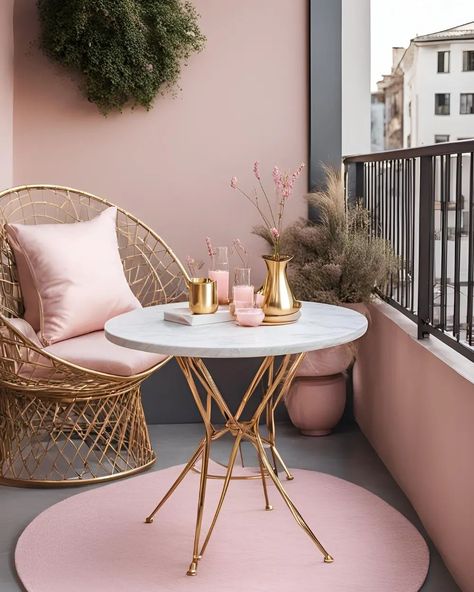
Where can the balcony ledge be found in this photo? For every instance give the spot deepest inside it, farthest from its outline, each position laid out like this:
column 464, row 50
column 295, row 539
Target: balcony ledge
column 448, row 356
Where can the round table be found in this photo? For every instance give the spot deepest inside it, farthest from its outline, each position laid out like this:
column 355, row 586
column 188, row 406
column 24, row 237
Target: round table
column 320, row 326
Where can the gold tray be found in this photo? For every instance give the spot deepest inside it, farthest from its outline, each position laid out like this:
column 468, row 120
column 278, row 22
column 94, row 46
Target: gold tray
column 283, row 319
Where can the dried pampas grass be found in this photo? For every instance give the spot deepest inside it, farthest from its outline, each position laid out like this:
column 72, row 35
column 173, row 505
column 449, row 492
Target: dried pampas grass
column 336, row 259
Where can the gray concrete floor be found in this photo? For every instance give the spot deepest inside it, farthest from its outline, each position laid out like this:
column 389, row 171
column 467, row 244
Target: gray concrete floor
column 346, row 454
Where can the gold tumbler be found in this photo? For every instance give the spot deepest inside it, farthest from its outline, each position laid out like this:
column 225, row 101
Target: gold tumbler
column 202, row 295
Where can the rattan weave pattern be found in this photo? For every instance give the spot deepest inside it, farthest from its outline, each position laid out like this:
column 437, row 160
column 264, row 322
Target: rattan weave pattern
column 59, row 423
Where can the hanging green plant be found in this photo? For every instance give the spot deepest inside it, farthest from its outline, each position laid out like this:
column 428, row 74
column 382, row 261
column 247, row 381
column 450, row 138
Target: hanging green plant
column 126, row 51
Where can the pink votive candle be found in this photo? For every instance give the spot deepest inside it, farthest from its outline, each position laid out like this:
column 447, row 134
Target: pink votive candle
column 249, row 317
column 222, row 279
column 243, row 294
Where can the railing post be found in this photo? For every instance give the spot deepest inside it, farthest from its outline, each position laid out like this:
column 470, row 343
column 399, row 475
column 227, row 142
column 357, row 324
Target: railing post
column 425, row 239
column 355, row 182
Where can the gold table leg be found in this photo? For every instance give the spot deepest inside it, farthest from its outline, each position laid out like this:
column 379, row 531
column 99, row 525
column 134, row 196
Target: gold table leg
column 278, row 383
column 271, row 438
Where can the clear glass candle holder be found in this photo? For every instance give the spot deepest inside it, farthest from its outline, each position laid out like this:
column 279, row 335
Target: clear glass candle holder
column 220, row 273
column 243, row 291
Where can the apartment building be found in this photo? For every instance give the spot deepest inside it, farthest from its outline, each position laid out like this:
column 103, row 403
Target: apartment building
column 438, row 87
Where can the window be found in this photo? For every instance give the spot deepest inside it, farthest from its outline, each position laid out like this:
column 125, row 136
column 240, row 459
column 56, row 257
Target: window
column 468, row 61
column 442, row 104
column 441, row 138
column 466, row 104
column 443, row 61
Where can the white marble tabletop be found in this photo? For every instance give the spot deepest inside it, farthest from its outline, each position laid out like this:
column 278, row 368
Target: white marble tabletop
column 320, row 326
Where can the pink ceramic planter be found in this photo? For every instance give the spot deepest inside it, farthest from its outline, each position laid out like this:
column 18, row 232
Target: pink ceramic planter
column 316, row 405
column 327, row 362
column 317, row 397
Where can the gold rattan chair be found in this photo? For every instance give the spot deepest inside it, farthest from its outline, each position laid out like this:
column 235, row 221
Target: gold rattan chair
column 61, row 424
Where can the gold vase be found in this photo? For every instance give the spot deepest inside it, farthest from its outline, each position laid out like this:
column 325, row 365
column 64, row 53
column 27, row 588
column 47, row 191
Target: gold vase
column 279, row 302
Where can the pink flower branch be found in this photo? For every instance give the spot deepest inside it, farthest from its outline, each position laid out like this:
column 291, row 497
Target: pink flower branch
column 254, row 202
column 241, row 251
column 284, row 185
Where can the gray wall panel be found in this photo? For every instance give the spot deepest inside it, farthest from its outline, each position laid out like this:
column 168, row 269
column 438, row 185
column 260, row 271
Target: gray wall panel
column 166, row 397
column 325, row 87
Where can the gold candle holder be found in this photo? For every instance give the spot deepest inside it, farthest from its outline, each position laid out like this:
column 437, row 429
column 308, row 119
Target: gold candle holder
column 203, row 296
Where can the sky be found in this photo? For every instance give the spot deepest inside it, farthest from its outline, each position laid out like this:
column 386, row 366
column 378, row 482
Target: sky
column 395, row 22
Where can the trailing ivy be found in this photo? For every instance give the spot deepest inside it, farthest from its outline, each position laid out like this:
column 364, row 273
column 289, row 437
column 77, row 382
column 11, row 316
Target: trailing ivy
column 126, row 51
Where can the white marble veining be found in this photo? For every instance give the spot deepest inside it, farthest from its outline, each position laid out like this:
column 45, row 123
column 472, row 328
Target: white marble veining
column 320, row 326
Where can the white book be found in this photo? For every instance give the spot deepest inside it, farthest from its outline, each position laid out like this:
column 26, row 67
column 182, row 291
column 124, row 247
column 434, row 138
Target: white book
column 184, row 316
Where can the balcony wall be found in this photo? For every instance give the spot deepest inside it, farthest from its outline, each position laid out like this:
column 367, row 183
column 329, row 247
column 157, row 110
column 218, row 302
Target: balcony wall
column 6, row 93
column 243, row 98
column 414, row 400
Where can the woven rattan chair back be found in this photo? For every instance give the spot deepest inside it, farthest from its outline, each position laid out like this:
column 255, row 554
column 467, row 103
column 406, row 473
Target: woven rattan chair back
column 61, row 424
column 153, row 272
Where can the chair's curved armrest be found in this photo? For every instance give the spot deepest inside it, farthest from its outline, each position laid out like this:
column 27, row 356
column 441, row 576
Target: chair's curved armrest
column 24, row 363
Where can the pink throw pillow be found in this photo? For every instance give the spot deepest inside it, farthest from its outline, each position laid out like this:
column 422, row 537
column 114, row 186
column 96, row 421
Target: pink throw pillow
column 76, row 273
column 28, row 290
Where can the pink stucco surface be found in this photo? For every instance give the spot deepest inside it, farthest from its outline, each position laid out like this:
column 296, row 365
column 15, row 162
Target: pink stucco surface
column 6, row 93
column 418, row 414
column 243, row 98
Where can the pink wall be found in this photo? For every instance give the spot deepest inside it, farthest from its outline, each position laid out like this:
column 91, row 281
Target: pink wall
column 418, row 414
column 244, row 97
column 6, row 93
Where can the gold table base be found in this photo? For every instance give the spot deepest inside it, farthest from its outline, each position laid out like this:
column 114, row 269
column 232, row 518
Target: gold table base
column 277, row 384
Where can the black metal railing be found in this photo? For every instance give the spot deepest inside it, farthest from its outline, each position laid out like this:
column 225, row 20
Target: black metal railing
column 422, row 201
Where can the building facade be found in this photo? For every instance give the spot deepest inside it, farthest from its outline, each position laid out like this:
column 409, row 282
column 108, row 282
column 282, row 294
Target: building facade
column 391, row 87
column 377, row 121
column 438, row 87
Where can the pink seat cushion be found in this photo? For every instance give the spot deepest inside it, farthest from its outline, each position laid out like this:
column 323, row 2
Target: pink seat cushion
column 96, row 352
column 76, row 272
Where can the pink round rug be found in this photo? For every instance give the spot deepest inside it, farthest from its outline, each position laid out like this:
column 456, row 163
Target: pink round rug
column 97, row 540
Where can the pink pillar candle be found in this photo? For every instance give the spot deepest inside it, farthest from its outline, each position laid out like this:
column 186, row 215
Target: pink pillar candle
column 244, row 294
column 222, row 279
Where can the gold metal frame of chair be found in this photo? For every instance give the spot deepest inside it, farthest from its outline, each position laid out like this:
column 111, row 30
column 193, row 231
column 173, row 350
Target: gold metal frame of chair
column 62, row 424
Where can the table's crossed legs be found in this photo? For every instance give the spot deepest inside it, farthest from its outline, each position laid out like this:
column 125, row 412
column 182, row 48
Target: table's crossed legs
column 278, row 383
